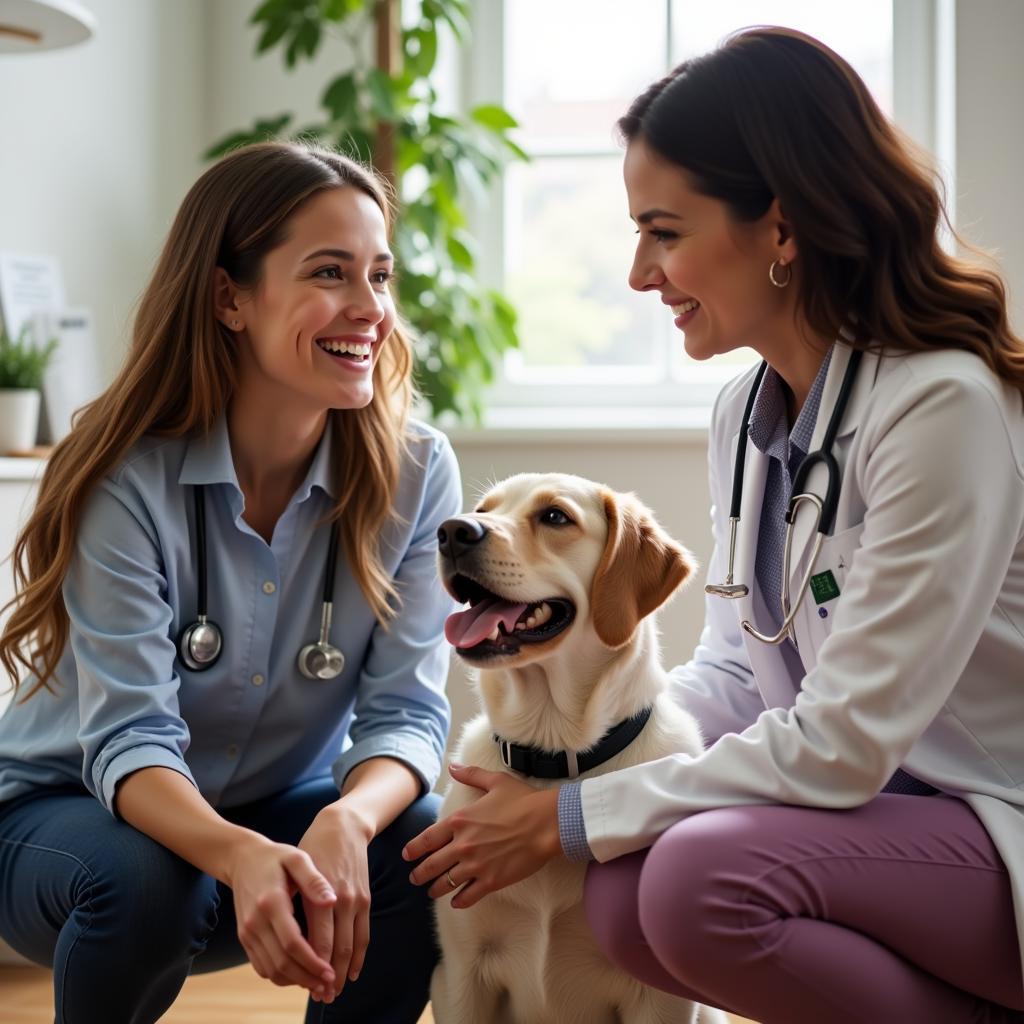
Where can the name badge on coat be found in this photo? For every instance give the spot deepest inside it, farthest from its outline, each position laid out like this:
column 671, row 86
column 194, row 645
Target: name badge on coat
column 814, row 623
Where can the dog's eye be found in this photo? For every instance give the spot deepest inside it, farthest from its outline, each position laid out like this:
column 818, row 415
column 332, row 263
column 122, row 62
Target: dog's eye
column 554, row 517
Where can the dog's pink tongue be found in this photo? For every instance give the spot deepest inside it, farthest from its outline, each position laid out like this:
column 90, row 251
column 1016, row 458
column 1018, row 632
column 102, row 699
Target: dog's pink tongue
column 468, row 628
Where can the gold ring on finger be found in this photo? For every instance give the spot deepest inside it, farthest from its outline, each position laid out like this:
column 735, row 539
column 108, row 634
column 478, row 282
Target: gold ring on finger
column 451, row 881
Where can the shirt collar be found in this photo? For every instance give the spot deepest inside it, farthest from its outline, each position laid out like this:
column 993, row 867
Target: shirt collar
column 767, row 428
column 208, row 461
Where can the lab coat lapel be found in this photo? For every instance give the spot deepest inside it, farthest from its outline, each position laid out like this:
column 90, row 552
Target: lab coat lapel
column 806, row 527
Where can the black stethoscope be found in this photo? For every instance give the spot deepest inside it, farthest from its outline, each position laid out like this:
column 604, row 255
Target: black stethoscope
column 826, row 510
column 201, row 642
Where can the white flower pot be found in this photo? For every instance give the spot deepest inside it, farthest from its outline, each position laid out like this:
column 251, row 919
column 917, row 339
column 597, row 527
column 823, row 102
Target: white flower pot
column 19, row 419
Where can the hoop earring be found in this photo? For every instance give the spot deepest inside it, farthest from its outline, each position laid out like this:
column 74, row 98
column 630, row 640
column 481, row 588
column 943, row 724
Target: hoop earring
column 771, row 274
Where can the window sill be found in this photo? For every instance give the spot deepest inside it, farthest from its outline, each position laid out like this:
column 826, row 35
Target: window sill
column 593, row 426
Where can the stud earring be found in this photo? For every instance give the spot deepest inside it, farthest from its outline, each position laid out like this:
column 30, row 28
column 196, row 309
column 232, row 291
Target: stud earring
column 236, row 324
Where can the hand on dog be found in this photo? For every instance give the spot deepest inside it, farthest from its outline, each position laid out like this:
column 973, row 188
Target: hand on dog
column 502, row 838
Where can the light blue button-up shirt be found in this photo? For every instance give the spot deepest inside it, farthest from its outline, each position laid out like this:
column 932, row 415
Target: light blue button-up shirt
column 252, row 724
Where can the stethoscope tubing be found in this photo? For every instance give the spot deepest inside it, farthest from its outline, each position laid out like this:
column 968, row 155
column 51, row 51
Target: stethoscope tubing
column 827, row 507
column 330, row 659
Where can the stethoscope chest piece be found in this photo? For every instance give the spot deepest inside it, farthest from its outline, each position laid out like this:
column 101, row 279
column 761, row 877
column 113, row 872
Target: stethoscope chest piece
column 321, row 661
column 200, row 643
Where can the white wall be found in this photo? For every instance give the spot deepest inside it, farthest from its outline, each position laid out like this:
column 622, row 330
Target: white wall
column 98, row 143
column 990, row 135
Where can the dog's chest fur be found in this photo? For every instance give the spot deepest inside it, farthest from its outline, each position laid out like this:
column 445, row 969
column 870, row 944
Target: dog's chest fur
column 528, row 946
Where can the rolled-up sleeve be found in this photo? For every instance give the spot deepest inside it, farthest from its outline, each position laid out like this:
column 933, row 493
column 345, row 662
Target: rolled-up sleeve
column 401, row 709
column 115, row 594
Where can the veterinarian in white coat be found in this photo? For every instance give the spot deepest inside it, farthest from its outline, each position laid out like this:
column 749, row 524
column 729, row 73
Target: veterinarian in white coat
column 850, row 845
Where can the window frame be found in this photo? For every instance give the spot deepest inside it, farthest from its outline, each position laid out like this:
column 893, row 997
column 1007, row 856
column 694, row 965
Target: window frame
column 923, row 106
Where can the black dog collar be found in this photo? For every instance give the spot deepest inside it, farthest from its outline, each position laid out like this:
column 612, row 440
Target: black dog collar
column 567, row 764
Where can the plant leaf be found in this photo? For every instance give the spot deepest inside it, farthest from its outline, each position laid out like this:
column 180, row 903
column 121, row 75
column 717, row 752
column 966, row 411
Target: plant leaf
column 494, row 117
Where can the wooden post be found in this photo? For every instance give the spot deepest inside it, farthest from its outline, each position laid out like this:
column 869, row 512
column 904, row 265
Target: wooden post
column 389, row 58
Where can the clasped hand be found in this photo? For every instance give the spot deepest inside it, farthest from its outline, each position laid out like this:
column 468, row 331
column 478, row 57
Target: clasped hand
column 329, row 871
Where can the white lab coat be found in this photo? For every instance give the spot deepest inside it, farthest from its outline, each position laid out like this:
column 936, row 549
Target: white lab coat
column 919, row 660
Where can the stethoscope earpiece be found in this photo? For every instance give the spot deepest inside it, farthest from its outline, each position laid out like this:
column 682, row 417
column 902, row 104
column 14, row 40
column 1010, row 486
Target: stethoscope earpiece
column 200, row 643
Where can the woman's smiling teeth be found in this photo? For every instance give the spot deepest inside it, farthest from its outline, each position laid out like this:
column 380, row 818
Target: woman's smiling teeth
column 685, row 307
column 352, row 349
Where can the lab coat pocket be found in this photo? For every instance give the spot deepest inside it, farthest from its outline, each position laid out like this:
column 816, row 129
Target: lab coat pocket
column 828, row 581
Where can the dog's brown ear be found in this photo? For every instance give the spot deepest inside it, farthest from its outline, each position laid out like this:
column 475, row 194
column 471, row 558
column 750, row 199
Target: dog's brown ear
column 640, row 569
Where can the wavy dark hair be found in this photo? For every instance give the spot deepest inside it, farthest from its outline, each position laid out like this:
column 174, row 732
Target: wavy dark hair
column 773, row 113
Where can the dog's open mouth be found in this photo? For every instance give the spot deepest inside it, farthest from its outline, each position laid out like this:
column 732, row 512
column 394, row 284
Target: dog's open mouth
column 493, row 626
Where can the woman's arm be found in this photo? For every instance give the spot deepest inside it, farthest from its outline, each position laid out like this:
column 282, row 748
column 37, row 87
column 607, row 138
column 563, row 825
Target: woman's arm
column 264, row 876
column 401, row 710
column 944, row 506
column 376, row 792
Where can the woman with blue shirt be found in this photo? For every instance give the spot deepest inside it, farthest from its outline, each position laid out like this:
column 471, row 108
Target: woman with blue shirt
column 849, row 847
column 175, row 800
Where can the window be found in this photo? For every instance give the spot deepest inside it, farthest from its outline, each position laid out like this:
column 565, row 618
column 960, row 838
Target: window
column 561, row 242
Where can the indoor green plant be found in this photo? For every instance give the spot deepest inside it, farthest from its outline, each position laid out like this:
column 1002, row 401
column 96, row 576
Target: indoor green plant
column 384, row 112
column 22, row 365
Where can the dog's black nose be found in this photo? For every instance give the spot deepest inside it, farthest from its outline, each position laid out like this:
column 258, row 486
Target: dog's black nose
column 457, row 536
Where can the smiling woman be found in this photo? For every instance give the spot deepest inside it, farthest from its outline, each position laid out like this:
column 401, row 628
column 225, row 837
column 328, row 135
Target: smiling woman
column 335, row 303
column 190, row 761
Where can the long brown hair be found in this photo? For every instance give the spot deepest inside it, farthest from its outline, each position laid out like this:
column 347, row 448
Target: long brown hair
column 773, row 113
column 180, row 372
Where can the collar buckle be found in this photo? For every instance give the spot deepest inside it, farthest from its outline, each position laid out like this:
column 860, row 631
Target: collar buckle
column 505, row 752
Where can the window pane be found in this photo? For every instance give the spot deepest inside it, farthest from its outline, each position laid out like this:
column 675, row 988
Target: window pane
column 861, row 33
column 570, row 72
column 569, row 243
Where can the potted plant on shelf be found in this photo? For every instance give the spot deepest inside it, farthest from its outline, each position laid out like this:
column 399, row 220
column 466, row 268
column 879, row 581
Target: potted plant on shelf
column 22, row 365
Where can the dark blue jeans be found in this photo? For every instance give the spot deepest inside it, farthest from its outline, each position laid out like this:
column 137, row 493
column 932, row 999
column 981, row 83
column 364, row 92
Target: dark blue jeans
column 123, row 921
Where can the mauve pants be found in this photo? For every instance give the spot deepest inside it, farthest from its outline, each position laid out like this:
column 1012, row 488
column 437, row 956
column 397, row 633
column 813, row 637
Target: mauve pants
column 897, row 912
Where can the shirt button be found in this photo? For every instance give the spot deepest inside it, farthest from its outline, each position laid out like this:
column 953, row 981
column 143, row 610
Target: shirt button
column 257, row 680
column 232, row 751
column 268, row 587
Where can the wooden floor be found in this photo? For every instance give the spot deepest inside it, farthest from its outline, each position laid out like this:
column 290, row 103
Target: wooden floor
column 237, row 996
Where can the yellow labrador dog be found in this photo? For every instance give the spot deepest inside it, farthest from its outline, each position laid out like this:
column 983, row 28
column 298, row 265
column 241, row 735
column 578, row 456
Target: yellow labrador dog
column 561, row 575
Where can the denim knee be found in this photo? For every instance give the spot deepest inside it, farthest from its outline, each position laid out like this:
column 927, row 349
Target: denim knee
column 156, row 905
